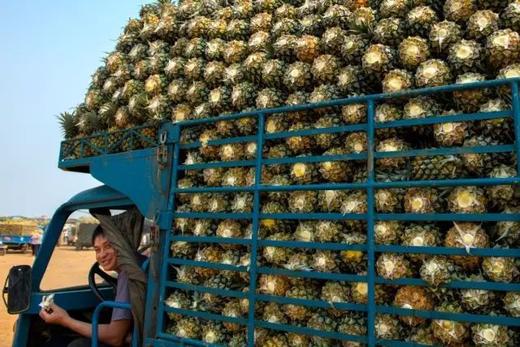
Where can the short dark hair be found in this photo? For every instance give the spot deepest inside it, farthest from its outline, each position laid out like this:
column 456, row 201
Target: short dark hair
column 97, row 232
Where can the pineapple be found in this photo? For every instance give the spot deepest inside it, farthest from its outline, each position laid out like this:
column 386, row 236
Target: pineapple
column 213, row 73
column 188, row 328
column 307, row 48
column 243, row 95
column 253, row 65
column 304, row 291
column 215, row 49
column 213, row 333
column 182, row 249
column 175, row 67
column 219, row 281
column 499, row 269
column 436, row 270
column 335, row 171
column 501, row 195
column 194, row 69
column 420, row 20
column 377, row 61
column 437, row 167
column 363, row 20
column 237, row 29
column 328, row 231
column 232, row 309
column 211, row 254
column 503, row 48
column 273, row 225
column 388, row 200
column 322, row 322
column 421, row 200
column 465, row 56
column 353, row 48
column 326, row 141
column 512, row 303
column 354, row 260
column 305, row 232
column 269, row 98
column 490, row 335
column 500, row 129
column 451, row 133
column 177, row 300
column 388, row 327
column 242, row 202
column 413, row 51
column 510, row 17
column 298, row 76
column 359, row 292
column 459, row 10
column 272, row 313
column 351, row 81
column 234, row 177
column 476, row 299
column 447, row 331
column 337, row 16
column 392, row 145
column 303, row 173
column 302, row 201
column 432, row 73
column 277, row 255
column 285, row 26
column 416, row 298
column 261, row 22
column 387, row 232
column 393, row 266
column 389, row 31
column 443, row 35
column 467, row 235
column 69, row 126
column 298, row 340
column 273, row 340
column 332, row 40
column 325, row 261
column 352, row 324
column 229, row 229
column 481, row 164
column 393, row 8
column 273, row 285
column 356, row 142
column 481, row 24
column 397, row 80
column 468, row 199
column 203, row 227
column 419, row 235
column 311, row 24
column 354, row 113
column 283, row 47
column 272, row 73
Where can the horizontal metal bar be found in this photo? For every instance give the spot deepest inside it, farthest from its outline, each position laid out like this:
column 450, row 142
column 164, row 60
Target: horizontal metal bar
column 179, row 341
column 313, row 216
column 214, row 189
column 485, row 181
column 315, row 159
column 448, row 217
column 202, row 289
column 220, row 142
column 460, row 317
column 396, row 343
column 313, row 303
column 495, row 286
column 312, row 274
column 218, row 164
column 313, row 245
column 309, row 331
column 211, row 239
column 316, row 131
column 206, row 315
column 212, row 215
column 481, row 252
column 207, row 265
column 445, row 151
column 322, row 186
column 433, row 119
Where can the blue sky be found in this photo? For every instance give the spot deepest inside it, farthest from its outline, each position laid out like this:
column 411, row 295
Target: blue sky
column 49, row 50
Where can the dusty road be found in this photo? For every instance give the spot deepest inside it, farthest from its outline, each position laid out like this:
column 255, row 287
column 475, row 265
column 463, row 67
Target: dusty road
column 68, row 267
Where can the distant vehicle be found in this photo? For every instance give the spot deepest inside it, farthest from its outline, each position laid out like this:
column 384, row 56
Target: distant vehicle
column 83, row 237
column 17, row 236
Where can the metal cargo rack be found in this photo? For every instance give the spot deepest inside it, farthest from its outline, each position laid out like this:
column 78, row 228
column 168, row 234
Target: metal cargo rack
column 371, row 309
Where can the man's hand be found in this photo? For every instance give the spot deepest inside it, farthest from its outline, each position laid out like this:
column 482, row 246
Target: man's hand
column 56, row 316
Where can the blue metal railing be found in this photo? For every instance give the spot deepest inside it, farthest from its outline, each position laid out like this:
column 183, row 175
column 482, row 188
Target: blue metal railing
column 371, row 184
column 95, row 320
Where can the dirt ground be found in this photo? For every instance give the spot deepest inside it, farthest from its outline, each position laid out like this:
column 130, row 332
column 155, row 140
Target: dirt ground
column 67, row 267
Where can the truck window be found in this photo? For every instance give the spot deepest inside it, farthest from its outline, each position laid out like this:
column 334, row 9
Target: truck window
column 73, row 255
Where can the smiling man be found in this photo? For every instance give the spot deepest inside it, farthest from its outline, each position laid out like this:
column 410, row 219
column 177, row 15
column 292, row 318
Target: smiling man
column 116, row 332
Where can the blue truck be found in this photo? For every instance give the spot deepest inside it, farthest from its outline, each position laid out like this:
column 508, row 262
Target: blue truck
column 16, row 242
column 148, row 178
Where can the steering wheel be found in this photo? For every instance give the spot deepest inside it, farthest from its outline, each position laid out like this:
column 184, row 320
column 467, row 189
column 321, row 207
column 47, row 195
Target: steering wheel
column 96, row 270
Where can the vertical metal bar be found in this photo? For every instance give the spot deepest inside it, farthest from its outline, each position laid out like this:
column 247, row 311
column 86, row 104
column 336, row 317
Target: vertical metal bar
column 254, row 236
column 371, row 309
column 516, row 119
column 166, row 239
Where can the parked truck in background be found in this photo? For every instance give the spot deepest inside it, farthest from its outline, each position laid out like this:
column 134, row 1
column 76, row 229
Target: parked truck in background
column 16, row 235
column 83, row 235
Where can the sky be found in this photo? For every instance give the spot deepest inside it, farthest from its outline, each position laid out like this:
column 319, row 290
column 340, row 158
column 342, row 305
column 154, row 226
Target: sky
column 49, row 50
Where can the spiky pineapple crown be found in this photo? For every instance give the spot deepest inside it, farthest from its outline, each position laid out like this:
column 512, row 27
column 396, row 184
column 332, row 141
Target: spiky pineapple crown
column 69, row 124
column 89, row 123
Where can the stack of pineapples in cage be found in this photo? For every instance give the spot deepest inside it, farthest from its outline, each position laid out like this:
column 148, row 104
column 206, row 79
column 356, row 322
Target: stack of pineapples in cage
column 208, row 58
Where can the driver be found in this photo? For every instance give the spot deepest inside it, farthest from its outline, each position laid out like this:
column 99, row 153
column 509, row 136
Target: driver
column 116, row 332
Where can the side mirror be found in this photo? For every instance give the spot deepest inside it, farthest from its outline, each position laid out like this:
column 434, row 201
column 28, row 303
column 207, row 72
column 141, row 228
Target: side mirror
column 17, row 287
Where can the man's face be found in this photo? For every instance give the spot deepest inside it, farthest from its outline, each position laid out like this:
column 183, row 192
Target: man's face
column 106, row 255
